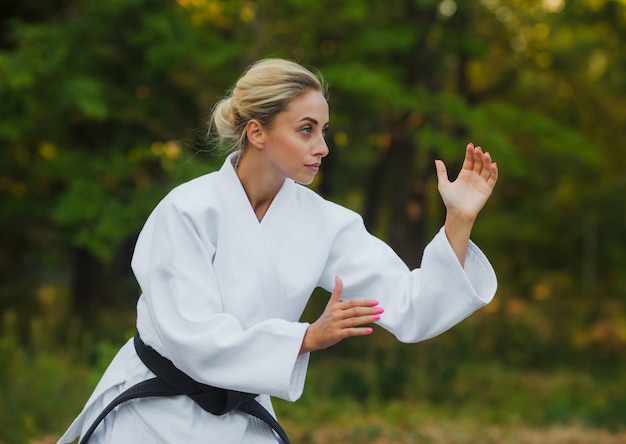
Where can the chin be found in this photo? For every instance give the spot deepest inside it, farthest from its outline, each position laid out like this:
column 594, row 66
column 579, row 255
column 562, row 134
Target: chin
column 304, row 181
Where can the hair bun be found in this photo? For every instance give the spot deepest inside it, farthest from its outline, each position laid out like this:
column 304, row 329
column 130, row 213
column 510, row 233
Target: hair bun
column 225, row 118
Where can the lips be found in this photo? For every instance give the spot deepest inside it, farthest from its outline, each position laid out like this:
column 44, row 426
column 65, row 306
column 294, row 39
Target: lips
column 314, row 166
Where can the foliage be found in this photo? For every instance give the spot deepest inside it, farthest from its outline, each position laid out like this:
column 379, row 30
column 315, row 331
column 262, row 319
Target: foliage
column 536, row 373
column 341, row 420
column 355, row 393
column 44, row 381
column 103, row 109
column 96, row 100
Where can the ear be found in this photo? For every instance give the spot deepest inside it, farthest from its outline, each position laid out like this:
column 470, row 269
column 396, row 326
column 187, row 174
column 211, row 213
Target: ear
column 255, row 134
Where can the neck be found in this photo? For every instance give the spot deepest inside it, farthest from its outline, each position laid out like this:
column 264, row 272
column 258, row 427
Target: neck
column 260, row 187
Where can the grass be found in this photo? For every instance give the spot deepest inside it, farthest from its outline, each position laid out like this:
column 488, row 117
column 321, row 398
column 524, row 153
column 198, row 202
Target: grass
column 343, row 421
column 456, row 389
column 430, row 431
column 482, row 403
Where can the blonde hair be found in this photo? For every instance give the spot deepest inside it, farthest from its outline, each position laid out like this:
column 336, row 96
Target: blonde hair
column 265, row 89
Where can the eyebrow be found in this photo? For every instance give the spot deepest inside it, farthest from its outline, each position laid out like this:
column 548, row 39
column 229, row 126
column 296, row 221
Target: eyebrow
column 312, row 120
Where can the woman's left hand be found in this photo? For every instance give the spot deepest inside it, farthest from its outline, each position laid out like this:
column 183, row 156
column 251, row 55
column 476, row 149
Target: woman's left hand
column 467, row 195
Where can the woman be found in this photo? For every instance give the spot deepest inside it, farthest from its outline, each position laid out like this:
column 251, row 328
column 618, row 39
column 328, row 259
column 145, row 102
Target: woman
column 228, row 261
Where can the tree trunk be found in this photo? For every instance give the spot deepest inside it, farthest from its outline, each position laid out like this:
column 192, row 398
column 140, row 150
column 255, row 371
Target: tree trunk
column 99, row 284
column 87, row 284
column 396, row 168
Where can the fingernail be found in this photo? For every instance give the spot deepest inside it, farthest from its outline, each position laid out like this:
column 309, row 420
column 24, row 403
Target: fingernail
column 376, row 317
column 374, row 302
column 380, row 310
column 369, row 330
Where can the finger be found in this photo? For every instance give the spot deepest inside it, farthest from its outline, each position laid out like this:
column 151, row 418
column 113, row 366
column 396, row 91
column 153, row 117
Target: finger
column 361, row 331
column 493, row 178
column 442, row 172
column 478, row 160
column 364, row 320
column 468, row 162
column 486, row 171
column 335, row 297
column 362, row 314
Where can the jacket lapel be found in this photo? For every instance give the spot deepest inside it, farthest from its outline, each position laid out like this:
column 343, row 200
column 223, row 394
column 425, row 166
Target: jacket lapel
column 257, row 236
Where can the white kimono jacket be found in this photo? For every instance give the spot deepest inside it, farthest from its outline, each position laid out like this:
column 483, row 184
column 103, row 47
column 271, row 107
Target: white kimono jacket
column 222, row 295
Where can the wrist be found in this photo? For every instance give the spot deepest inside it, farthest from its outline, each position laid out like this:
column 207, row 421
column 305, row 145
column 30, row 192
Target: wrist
column 460, row 218
column 458, row 229
column 306, row 346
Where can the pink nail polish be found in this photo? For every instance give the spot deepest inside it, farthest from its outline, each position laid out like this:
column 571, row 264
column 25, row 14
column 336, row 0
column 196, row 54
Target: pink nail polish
column 374, row 302
column 369, row 330
column 376, row 317
column 380, row 310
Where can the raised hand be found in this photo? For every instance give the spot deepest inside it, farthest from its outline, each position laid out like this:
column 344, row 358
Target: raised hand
column 466, row 196
column 340, row 320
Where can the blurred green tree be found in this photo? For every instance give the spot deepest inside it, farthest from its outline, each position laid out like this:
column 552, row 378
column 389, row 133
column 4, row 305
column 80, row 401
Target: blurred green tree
column 97, row 98
column 95, row 102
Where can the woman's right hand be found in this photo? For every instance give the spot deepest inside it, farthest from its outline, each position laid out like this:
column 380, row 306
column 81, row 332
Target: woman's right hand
column 340, row 320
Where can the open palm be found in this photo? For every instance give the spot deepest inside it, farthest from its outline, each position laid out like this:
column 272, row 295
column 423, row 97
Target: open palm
column 467, row 195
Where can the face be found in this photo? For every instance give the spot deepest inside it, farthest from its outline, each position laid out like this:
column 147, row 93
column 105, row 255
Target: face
column 294, row 144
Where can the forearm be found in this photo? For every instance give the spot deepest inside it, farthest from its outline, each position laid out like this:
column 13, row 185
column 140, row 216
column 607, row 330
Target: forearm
column 458, row 229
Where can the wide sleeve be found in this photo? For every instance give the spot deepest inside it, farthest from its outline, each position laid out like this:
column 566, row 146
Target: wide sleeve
column 180, row 313
column 419, row 303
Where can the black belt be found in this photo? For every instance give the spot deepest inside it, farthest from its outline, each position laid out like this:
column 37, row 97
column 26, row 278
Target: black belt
column 170, row 381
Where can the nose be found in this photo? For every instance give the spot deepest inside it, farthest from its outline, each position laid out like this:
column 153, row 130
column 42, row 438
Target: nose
column 322, row 148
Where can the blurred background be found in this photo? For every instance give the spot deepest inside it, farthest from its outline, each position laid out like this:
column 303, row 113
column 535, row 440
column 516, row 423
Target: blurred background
column 103, row 109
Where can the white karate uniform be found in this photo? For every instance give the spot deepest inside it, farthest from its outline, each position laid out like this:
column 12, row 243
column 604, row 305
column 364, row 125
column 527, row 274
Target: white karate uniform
column 222, row 295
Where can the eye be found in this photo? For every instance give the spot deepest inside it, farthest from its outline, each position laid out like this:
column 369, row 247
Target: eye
column 306, row 130
column 324, row 131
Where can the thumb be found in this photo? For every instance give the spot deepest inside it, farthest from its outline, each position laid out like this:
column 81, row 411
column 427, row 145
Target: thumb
column 335, row 297
column 442, row 172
